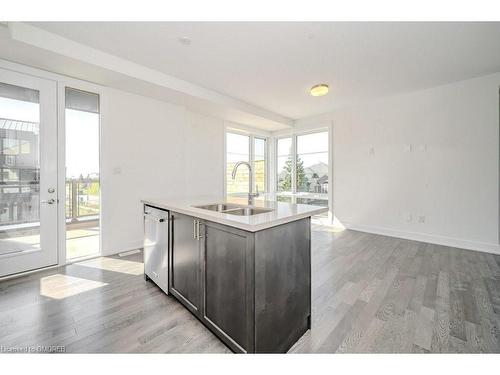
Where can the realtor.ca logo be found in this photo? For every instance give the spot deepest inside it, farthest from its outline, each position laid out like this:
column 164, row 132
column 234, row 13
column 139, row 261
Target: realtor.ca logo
column 33, row 349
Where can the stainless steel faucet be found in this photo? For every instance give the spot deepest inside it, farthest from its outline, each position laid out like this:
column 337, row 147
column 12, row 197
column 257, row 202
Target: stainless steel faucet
column 251, row 194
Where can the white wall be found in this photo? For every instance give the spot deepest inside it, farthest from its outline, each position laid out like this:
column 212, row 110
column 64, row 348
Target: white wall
column 450, row 175
column 204, row 163
column 151, row 148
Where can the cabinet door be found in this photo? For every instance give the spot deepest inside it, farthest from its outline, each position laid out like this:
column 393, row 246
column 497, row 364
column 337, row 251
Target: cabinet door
column 228, row 285
column 185, row 261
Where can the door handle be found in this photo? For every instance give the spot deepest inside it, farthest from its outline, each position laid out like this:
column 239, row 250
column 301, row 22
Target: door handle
column 49, row 201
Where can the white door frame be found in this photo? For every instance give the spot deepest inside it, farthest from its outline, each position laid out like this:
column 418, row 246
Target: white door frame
column 47, row 255
column 62, row 82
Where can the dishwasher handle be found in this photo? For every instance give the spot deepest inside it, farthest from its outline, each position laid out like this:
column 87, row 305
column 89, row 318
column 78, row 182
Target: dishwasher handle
column 150, row 216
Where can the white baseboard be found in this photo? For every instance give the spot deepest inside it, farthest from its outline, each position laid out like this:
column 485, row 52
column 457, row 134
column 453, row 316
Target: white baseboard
column 130, row 252
column 422, row 237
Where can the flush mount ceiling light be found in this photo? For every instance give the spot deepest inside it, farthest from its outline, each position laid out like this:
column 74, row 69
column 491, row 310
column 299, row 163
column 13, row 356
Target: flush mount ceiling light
column 319, row 90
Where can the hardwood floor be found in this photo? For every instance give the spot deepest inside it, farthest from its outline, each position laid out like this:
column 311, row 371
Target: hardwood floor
column 371, row 294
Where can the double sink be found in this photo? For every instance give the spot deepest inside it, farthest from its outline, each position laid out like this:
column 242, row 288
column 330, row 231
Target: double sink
column 233, row 209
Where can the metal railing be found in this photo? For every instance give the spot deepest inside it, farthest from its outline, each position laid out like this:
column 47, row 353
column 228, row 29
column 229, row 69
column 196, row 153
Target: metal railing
column 82, row 198
column 20, row 200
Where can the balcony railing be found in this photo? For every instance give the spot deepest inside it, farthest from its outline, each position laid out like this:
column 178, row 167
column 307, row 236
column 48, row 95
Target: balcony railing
column 82, row 198
column 20, row 201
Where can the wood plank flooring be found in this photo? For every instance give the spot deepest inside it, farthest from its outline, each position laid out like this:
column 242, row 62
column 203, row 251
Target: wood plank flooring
column 371, row 294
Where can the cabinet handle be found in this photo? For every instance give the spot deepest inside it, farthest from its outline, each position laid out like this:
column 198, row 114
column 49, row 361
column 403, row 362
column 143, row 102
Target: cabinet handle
column 196, row 229
column 198, row 235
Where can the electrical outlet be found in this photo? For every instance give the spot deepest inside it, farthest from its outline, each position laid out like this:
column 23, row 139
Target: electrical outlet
column 409, row 218
column 371, row 150
column 421, row 219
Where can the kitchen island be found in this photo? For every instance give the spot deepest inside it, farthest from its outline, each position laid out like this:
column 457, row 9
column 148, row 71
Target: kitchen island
column 244, row 271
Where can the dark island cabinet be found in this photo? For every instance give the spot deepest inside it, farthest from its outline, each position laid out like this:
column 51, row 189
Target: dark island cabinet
column 228, row 288
column 186, row 251
column 253, row 290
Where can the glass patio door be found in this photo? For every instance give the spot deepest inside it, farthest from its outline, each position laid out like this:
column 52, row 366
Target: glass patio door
column 28, row 173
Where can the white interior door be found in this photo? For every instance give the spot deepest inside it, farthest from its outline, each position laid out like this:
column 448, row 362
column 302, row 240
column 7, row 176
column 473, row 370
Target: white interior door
column 28, row 173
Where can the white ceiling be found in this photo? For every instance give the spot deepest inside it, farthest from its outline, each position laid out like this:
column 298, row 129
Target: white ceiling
column 272, row 65
column 35, row 47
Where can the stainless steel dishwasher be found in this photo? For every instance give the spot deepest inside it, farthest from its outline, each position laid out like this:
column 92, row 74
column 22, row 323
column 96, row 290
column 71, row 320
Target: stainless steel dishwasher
column 156, row 246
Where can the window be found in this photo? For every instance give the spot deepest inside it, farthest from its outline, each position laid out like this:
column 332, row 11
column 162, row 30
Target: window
column 284, row 164
column 10, row 146
column 10, row 175
column 9, row 160
column 302, row 168
column 259, row 163
column 249, row 148
column 82, row 173
column 24, row 146
column 237, row 149
column 312, row 163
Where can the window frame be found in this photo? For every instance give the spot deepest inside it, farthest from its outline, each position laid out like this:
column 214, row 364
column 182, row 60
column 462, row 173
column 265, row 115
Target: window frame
column 251, row 139
column 266, row 160
column 294, row 164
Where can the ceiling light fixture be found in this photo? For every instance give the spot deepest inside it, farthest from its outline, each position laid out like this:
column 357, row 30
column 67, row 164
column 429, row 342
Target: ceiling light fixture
column 319, row 90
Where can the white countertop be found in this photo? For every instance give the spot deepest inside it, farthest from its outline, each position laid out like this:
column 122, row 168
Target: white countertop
column 281, row 212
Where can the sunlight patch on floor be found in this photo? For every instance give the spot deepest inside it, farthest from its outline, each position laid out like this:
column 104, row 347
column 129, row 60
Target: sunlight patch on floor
column 323, row 224
column 62, row 286
column 115, row 265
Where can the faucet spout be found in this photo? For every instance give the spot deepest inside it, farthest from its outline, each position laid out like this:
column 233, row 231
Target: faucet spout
column 251, row 194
